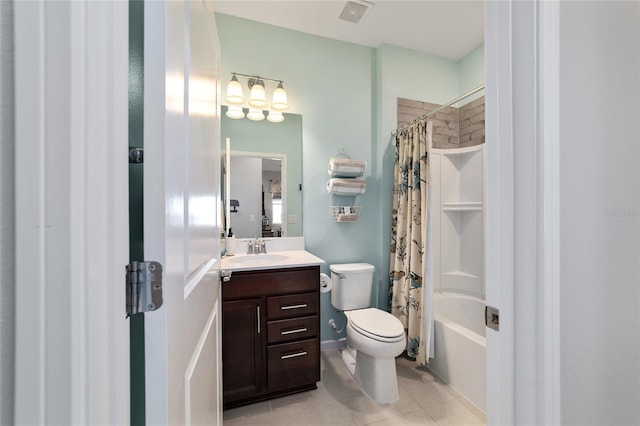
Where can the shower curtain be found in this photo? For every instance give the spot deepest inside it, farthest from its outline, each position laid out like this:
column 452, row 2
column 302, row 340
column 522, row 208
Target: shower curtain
column 411, row 265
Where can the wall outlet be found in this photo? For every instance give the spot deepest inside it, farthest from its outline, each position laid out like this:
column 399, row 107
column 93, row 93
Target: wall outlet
column 293, row 218
column 252, row 218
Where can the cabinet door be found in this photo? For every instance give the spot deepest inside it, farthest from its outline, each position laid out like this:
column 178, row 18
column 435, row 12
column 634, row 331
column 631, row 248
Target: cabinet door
column 243, row 346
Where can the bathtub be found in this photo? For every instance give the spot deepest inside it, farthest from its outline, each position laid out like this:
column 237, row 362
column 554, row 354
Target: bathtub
column 460, row 345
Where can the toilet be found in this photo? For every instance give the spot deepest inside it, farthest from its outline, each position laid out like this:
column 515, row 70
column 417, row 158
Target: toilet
column 374, row 337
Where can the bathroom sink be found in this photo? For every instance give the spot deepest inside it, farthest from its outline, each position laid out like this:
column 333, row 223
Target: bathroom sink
column 279, row 259
column 257, row 259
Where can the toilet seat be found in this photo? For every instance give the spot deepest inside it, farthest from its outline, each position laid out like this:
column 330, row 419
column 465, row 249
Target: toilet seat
column 377, row 325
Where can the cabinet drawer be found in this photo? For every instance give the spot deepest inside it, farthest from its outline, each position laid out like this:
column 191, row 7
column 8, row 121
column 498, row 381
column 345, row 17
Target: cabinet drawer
column 247, row 284
column 294, row 305
column 292, row 329
column 293, row 364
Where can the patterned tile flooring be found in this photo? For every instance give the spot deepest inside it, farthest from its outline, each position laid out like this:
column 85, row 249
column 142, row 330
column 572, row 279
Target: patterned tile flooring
column 338, row 401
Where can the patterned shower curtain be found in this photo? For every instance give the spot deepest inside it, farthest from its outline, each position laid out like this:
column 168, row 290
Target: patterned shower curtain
column 411, row 276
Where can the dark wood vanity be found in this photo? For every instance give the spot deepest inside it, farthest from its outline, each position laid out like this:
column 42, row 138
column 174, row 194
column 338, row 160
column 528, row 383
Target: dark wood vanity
column 270, row 333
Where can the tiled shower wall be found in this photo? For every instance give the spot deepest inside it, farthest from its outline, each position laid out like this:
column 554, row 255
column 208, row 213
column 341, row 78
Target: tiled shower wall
column 452, row 127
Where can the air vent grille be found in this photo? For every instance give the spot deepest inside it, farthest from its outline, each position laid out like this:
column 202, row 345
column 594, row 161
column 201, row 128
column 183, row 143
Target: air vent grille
column 355, row 11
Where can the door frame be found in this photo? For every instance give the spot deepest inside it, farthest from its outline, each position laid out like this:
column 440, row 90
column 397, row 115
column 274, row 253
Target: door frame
column 522, row 243
column 72, row 337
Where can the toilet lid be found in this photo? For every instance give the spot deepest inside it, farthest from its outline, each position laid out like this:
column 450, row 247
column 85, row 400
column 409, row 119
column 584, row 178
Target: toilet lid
column 376, row 322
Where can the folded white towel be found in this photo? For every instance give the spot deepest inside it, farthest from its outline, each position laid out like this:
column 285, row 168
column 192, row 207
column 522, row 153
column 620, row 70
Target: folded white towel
column 344, row 167
column 346, row 186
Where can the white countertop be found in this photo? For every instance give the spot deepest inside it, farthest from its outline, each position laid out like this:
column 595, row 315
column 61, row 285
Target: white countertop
column 270, row 260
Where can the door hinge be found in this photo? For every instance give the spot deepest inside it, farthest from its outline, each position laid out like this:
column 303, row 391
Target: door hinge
column 492, row 317
column 144, row 287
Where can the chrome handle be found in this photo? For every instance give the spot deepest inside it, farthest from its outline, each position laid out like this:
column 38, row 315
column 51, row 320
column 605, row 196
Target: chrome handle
column 302, row 305
column 258, row 315
column 297, row 354
column 297, row 330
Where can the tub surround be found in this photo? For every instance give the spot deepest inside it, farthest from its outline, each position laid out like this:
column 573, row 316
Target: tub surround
column 460, row 345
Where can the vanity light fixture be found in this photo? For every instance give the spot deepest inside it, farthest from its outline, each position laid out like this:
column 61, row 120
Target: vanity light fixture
column 235, row 111
column 280, row 99
column 234, row 91
column 255, row 114
column 257, row 99
column 275, row 117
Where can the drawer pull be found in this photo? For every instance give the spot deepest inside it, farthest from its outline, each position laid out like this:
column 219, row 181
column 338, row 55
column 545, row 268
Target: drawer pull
column 297, row 354
column 258, row 317
column 297, row 330
column 302, row 305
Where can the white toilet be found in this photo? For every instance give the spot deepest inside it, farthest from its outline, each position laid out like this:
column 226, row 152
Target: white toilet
column 374, row 337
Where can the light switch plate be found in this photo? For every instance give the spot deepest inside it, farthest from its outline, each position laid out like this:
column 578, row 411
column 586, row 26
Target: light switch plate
column 293, row 218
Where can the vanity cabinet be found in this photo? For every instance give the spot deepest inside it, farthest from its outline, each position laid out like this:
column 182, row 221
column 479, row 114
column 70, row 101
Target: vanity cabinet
column 270, row 333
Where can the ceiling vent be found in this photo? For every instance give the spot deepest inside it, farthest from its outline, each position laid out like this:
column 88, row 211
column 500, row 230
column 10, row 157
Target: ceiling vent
column 355, row 11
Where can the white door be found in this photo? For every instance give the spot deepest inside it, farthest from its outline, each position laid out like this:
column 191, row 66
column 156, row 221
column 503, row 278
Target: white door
column 181, row 196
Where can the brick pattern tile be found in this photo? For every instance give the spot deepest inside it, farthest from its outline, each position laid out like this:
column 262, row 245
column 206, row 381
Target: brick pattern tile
column 452, row 127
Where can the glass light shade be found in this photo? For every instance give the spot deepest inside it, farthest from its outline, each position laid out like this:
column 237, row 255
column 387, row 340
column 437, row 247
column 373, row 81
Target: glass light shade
column 255, row 114
column 280, row 99
column 275, row 117
column 234, row 92
column 258, row 98
column 235, row 112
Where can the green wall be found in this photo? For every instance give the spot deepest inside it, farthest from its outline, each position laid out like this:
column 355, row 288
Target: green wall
column 471, row 73
column 347, row 95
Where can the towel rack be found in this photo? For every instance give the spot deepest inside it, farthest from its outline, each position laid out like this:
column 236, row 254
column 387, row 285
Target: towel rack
column 343, row 204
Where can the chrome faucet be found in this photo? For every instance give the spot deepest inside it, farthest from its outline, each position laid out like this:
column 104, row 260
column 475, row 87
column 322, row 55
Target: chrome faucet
column 257, row 246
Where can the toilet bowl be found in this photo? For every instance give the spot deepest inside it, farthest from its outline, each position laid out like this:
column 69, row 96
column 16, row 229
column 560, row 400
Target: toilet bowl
column 374, row 337
column 377, row 338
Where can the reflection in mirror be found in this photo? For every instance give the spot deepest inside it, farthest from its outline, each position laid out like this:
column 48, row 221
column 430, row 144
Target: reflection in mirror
column 256, row 182
column 263, row 154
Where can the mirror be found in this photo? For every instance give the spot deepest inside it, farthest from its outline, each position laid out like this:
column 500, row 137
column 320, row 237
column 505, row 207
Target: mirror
column 261, row 155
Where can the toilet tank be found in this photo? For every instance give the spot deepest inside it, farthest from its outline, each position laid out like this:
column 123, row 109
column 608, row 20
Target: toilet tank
column 352, row 284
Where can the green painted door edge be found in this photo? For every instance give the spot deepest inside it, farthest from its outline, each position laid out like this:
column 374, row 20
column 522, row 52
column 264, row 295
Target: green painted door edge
column 136, row 225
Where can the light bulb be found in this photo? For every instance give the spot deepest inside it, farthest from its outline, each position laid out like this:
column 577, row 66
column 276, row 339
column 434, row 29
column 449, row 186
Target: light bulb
column 235, row 112
column 234, row 92
column 255, row 114
column 258, row 98
column 280, row 99
column 275, row 117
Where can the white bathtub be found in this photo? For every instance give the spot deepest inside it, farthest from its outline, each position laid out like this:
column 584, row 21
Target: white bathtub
column 460, row 345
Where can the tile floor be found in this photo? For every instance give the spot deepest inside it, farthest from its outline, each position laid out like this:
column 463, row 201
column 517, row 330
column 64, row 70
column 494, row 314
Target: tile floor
column 338, row 401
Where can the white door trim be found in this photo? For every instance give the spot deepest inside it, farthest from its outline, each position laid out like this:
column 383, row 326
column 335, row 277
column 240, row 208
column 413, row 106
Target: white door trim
column 548, row 39
column 522, row 59
column 499, row 217
column 72, row 338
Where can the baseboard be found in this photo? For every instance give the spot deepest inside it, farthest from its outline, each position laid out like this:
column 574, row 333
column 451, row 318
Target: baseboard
column 330, row 345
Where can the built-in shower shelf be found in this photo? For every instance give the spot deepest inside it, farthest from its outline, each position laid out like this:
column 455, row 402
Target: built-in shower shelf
column 462, row 206
column 460, row 274
column 461, row 281
column 457, row 201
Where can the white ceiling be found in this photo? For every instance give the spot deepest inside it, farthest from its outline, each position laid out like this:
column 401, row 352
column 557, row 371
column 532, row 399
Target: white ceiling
column 449, row 29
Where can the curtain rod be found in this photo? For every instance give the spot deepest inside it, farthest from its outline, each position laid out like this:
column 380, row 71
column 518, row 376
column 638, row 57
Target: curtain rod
column 458, row 99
